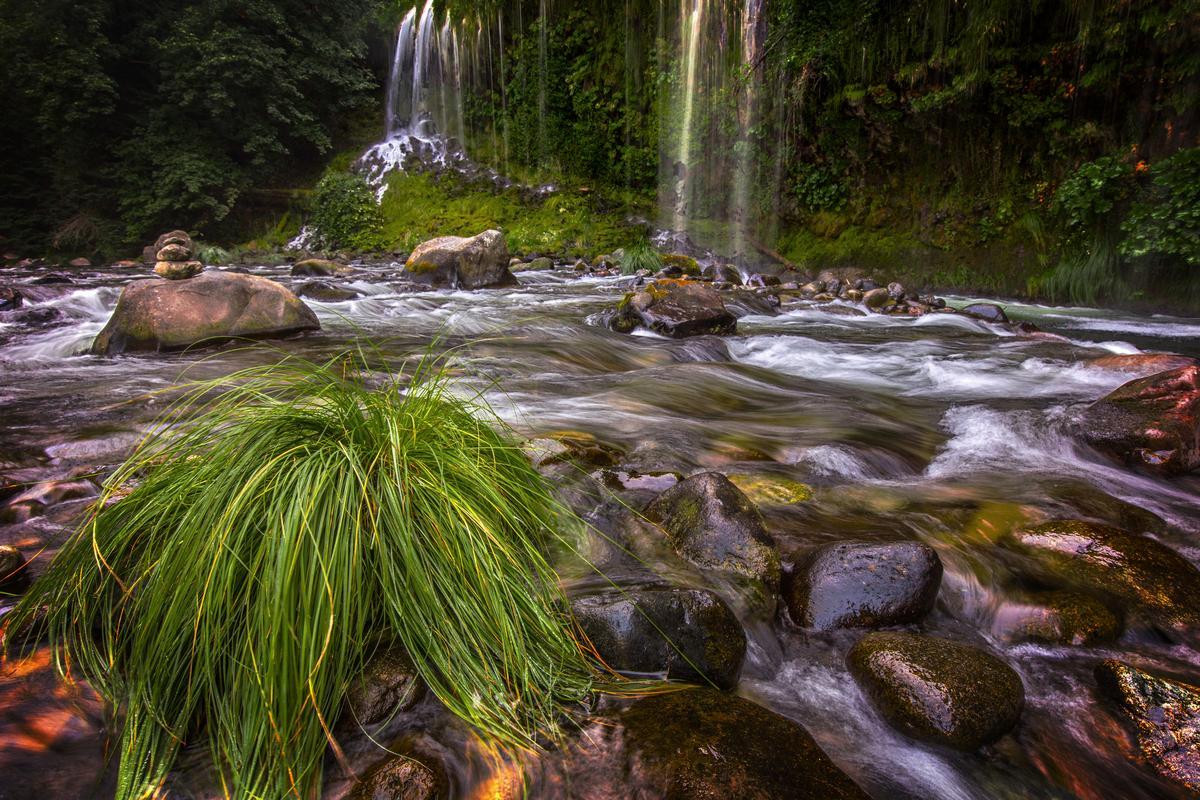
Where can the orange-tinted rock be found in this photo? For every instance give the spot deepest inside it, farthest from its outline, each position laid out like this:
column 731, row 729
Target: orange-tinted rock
column 1152, row 423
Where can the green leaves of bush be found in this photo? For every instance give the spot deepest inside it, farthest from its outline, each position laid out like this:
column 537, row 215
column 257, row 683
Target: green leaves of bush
column 1165, row 221
column 345, row 213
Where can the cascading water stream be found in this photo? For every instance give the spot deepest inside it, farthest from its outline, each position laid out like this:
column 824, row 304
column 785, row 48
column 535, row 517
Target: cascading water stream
column 691, row 24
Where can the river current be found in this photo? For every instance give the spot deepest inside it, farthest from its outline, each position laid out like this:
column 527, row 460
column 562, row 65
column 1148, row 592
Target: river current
column 942, row 429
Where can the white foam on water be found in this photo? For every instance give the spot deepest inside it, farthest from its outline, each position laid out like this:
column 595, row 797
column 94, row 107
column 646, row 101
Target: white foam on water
column 831, row 460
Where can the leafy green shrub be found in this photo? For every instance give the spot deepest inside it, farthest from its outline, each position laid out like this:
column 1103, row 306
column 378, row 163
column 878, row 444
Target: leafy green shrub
column 1166, row 220
column 820, row 190
column 1092, row 193
column 230, row 595
column 345, row 213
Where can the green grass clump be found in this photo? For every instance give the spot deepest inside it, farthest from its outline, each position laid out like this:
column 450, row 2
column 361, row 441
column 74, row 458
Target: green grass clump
column 264, row 542
column 639, row 256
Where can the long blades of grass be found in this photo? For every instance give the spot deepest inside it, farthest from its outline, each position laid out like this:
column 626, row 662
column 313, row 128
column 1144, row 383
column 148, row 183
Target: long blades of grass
column 232, row 594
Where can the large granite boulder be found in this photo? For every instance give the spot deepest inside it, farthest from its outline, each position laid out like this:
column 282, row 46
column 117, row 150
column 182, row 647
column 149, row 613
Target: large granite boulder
column 864, row 585
column 711, row 523
column 160, row 315
column 1152, row 423
column 675, row 308
column 1165, row 714
column 455, row 262
column 1139, row 571
column 701, row 744
column 937, row 690
column 684, row 634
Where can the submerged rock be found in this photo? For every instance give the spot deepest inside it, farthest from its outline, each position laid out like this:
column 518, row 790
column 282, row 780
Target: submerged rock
column 14, row 577
column 405, row 777
column 539, row 264
column 1059, row 617
column 701, row 744
column 325, row 292
column 388, row 685
column 685, row 634
column 864, row 585
column 318, row 268
column 711, row 523
column 1144, row 363
column 988, row 312
column 937, row 690
column 1152, row 423
column 1135, row 569
column 10, row 298
column 456, row 262
column 157, row 315
column 1166, row 715
column 675, row 308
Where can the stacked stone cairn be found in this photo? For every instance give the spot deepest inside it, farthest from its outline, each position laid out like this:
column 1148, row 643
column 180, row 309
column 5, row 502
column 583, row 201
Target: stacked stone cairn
column 173, row 257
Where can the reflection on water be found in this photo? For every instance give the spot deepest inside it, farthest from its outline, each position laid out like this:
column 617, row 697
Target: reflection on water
column 943, row 429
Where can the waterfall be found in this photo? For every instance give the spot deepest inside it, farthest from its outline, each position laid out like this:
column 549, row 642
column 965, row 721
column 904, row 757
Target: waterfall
column 424, row 113
column 748, row 97
column 692, row 22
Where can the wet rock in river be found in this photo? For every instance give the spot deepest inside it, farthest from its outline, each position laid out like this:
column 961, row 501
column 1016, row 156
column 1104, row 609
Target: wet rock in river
column 1166, row 715
column 876, row 299
column 988, row 312
column 14, row 577
column 539, row 264
column 864, row 585
column 675, row 308
column 1058, row 617
column 1152, row 423
column 318, row 268
column 33, row 500
column 388, row 685
column 763, row 489
column 571, row 447
column 1135, row 569
column 937, row 690
column 686, row 634
column 677, row 264
column 404, row 777
column 456, row 262
column 725, row 273
column 701, row 744
column 711, row 523
column 325, row 292
column 156, row 315
column 10, row 298
column 1142, row 363
column 173, row 257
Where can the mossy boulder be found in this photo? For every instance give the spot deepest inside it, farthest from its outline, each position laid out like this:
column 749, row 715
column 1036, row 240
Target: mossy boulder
column 675, row 308
column 457, row 262
column 1165, row 715
column 701, row 744
column 1061, row 617
column 679, row 264
column 682, row 634
column 711, row 523
column 160, row 315
column 1136, row 570
column 539, row 264
column 876, row 299
column 771, row 489
column 403, row 777
column 318, row 268
column 1151, row 423
column 325, row 292
column 937, row 690
column 864, row 585
column 177, row 270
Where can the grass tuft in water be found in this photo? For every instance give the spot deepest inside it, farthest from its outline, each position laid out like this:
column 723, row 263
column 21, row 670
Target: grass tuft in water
column 231, row 595
column 639, row 256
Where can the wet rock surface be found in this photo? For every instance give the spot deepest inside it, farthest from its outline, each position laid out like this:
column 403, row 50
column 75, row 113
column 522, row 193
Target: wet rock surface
column 1142, row 573
column 455, row 262
column 318, row 268
column 1165, row 715
column 325, row 292
column 389, row 685
column 701, row 744
column 937, row 690
column 675, row 308
column 864, row 585
column 154, row 315
column 1152, row 423
column 402, row 778
column 1059, row 617
column 683, row 634
column 988, row 312
column 711, row 523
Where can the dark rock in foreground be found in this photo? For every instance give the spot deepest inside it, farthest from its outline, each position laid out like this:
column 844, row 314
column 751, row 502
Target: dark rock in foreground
column 156, row 315
column 404, row 777
column 685, row 634
column 711, row 523
column 455, row 262
column 938, row 690
column 701, row 744
column 1061, row 617
column 1137, row 570
column 1152, row 423
column 1166, row 715
column 675, row 308
column 865, row 585
column 388, row 685
column 988, row 312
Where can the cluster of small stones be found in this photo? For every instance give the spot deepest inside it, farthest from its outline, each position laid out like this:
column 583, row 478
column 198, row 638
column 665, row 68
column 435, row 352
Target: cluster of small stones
column 174, row 257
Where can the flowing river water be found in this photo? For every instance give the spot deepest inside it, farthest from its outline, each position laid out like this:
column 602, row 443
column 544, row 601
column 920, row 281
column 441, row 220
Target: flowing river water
column 942, row 429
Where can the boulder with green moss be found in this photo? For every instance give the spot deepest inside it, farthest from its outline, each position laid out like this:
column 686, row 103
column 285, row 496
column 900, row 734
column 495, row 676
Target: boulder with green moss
column 160, row 315
column 1136, row 570
column 456, row 262
column 1063, row 617
column 675, row 308
column 937, row 690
